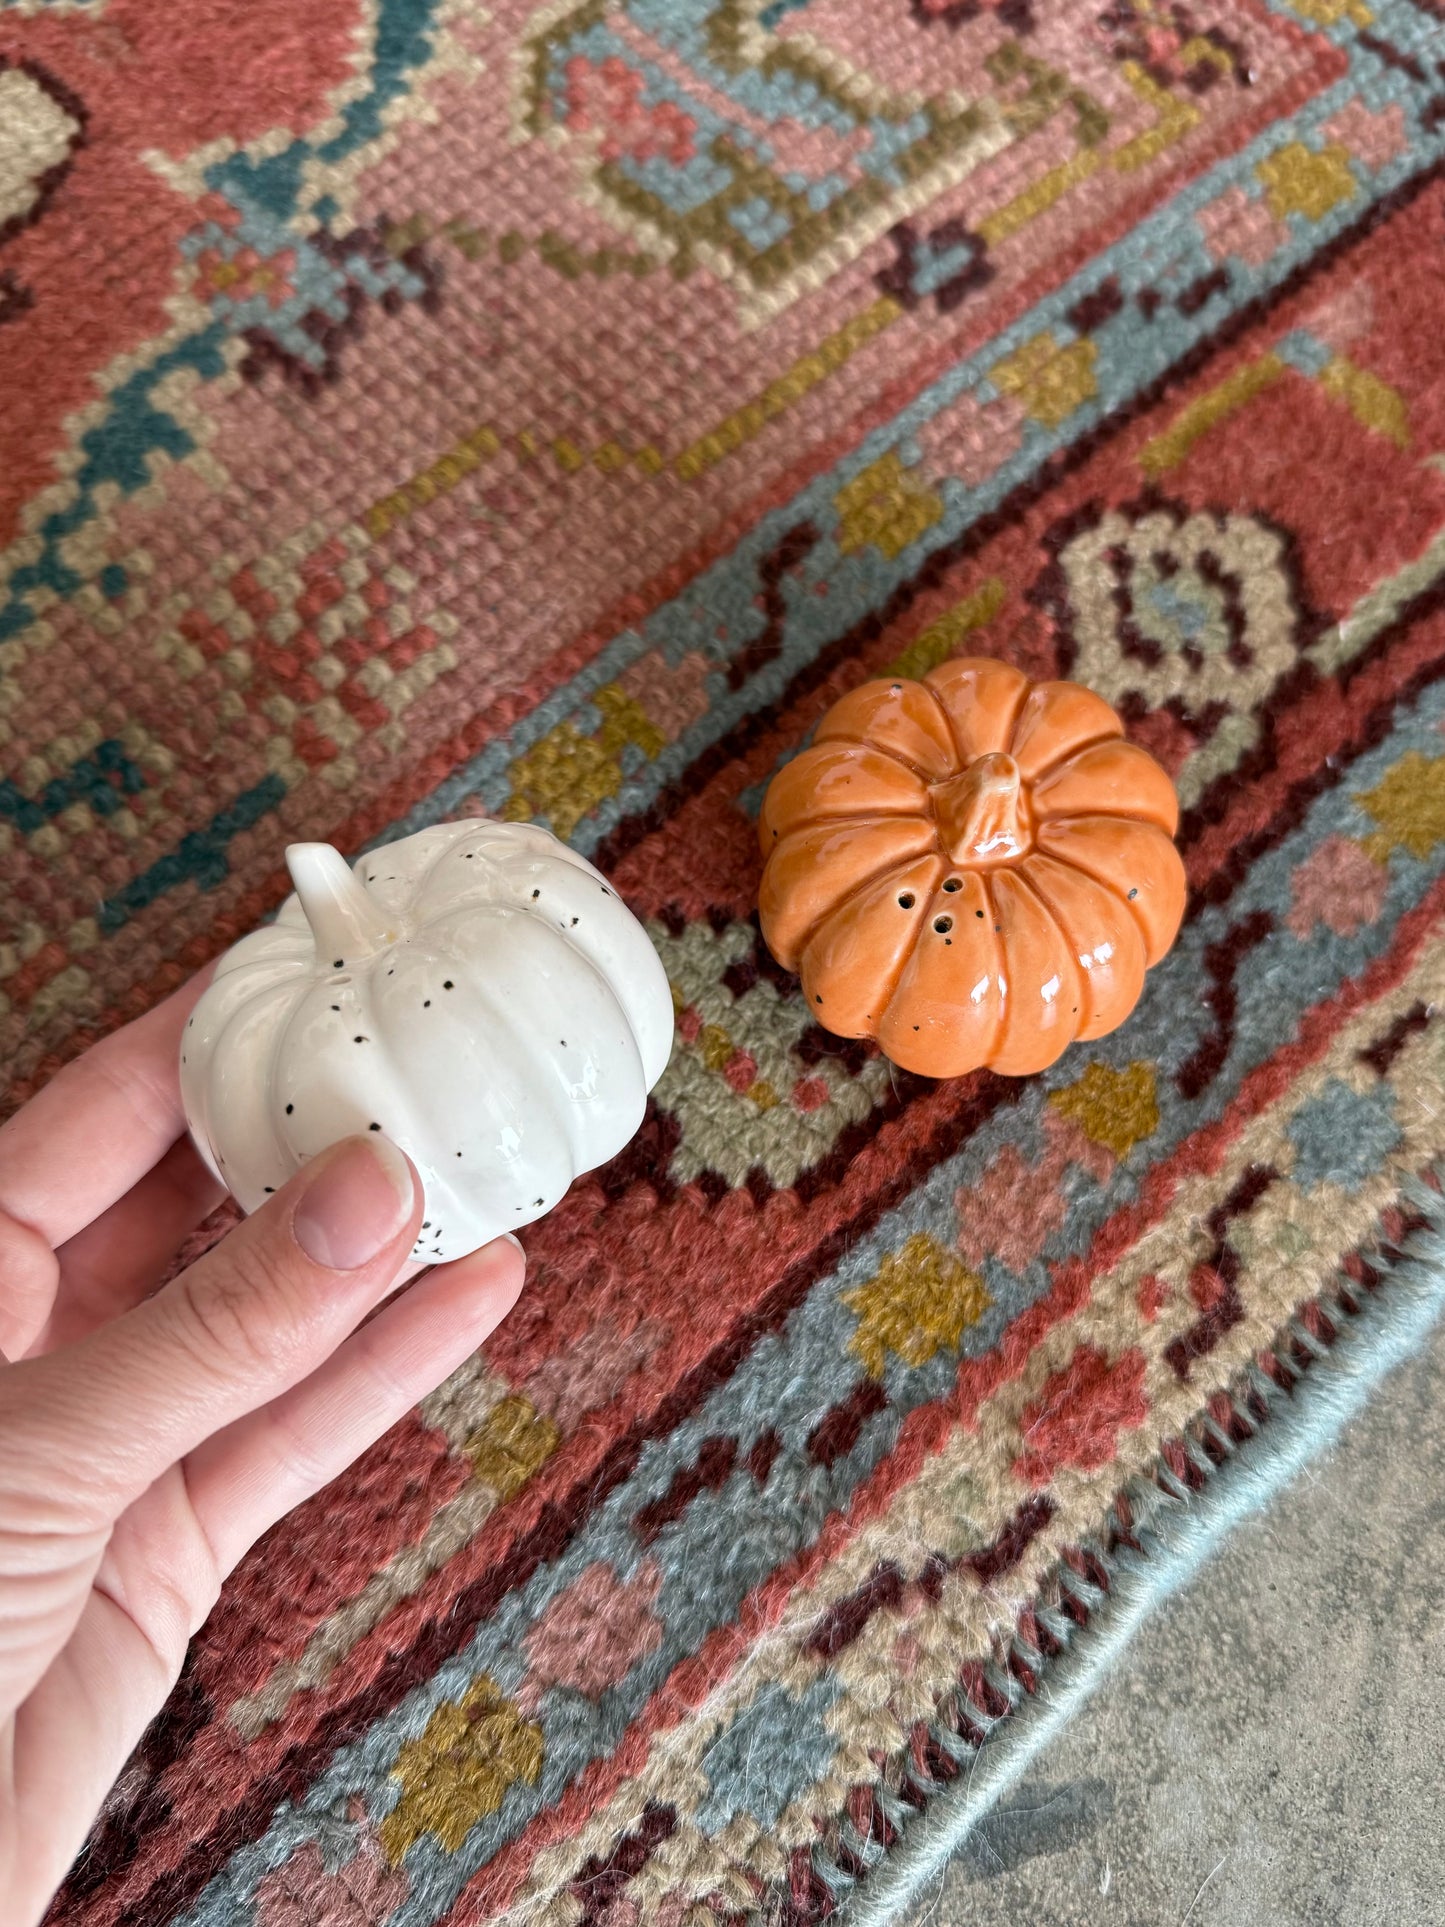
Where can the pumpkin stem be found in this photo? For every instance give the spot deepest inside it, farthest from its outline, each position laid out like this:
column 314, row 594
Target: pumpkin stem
column 981, row 813
column 344, row 920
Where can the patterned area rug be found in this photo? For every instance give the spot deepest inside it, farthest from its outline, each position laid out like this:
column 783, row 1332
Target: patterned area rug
column 414, row 409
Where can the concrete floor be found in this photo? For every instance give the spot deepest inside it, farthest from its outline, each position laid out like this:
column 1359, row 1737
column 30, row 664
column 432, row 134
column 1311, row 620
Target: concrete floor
column 1271, row 1750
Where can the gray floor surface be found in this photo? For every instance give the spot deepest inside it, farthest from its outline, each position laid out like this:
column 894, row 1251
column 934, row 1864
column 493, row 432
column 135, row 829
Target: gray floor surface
column 1271, row 1750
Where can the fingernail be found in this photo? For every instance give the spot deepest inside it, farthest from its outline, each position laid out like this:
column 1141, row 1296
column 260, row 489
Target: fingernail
column 358, row 1201
column 511, row 1238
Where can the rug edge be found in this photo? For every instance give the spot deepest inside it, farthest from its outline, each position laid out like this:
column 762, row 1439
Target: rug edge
column 1183, row 1532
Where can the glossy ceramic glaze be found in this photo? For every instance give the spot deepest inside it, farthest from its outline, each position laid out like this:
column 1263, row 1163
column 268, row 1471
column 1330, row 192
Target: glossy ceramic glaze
column 477, row 992
column 973, row 869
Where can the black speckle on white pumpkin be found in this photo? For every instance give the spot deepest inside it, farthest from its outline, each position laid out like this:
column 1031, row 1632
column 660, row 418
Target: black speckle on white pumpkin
column 337, row 962
column 361, row 1040
column 373, row 1127
column 289, row 1109
column 448, row 985
column 336, row 1006
column 426, row 1003
column 269, row 1189
column 535, row 895
column 539, row 1200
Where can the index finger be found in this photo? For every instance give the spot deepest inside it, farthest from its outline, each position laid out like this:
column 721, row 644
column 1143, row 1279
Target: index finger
column 99, row 1125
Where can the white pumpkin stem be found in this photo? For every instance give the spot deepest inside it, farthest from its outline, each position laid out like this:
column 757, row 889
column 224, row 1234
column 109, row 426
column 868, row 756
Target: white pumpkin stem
column 344, row 920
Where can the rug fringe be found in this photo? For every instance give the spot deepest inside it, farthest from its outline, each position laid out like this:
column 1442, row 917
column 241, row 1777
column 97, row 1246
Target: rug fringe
column 1281, row 1410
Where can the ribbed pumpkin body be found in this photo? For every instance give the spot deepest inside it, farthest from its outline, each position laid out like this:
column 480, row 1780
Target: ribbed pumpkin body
column 972, row 869
column 477, row 992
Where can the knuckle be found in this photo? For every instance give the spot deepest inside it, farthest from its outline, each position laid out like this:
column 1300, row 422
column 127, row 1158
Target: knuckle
column 389, row 1389
column 148, row 1094
column 297, row 1449
column 183, row 1561
column 23, row 1250
column 31, row 1274
column 240, row 1311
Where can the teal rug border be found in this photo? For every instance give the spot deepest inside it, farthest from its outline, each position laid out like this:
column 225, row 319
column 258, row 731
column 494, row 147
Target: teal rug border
column 1390, row 1326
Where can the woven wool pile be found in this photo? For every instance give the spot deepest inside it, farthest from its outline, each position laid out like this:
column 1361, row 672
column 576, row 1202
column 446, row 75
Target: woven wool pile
column 546, row 411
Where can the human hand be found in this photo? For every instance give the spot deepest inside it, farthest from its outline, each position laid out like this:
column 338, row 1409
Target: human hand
column 148, row 1438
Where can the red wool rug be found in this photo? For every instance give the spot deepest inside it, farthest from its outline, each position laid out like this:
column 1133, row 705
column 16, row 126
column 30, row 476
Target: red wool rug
column 546, row 411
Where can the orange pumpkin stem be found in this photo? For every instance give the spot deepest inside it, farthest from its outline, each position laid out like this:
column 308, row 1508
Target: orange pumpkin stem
column 981, row 813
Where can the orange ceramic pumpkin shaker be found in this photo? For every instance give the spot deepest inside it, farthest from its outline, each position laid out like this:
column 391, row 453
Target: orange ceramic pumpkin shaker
column 973, row 869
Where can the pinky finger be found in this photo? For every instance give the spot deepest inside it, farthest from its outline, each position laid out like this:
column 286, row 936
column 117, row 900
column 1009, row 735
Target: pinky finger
column 255, row 1471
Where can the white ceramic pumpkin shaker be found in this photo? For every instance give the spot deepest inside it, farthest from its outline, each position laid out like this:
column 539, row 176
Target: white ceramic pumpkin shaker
column 477, row 992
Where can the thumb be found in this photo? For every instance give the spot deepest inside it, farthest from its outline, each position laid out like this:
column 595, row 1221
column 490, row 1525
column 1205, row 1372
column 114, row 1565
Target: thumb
column 247, row 1321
